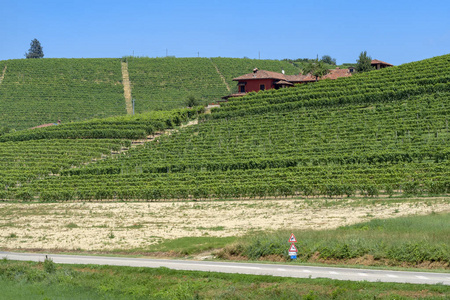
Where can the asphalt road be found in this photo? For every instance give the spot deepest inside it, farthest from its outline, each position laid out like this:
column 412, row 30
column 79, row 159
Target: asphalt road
column 296, row 271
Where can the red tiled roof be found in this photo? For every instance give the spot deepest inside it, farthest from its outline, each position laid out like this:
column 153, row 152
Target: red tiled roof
column 300, row 78
column 376, row 62
column 336, row 73
column 261, row 74
column 286, row 79
column 283, row 82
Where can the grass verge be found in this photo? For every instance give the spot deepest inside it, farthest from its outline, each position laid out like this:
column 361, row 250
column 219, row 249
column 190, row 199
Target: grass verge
column 413, row 241
column 29, row 280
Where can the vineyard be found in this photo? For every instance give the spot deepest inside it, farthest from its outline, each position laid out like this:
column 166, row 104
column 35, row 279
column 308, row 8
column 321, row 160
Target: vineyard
column 39, row 91
column 383, row 132
column 166, row 83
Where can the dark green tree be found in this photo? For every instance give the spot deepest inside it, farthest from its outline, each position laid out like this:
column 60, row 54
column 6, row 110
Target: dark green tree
column 191, row 101
column 328, row 60
column 35, row 50
column 363, row 63
column 316, row 68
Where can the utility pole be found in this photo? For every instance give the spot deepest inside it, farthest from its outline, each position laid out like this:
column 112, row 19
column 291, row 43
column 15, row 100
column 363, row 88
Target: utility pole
column 133, row 101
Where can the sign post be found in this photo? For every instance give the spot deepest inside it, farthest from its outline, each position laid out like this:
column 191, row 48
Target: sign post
column 293, row 250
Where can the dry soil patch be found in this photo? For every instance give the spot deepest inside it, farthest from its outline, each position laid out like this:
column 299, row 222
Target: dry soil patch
column 107, row 226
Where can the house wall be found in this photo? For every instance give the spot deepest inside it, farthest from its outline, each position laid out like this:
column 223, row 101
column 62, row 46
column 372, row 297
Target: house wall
column 253, row 85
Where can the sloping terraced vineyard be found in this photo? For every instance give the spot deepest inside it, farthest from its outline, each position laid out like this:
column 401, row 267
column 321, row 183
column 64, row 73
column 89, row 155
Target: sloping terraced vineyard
column 234, row 67
column 39, row 91
column 166, row 83
column 23, row 162
column 383, row 132
column 123, row 127
column 29, row 156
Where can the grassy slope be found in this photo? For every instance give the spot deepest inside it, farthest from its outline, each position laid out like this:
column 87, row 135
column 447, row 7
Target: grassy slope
column 419, row 241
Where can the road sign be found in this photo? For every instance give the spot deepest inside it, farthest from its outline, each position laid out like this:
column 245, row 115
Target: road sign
column 292, row 239
column 293, row 249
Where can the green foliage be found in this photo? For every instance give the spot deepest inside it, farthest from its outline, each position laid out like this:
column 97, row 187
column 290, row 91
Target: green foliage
column 27, row 280
column 4, row 130
column 363, row 63
column 35, row 50
column 190, row 245
column 191, row 101
column 316, row 68
column 49, row 265
column 328, row 60
column 414, row 240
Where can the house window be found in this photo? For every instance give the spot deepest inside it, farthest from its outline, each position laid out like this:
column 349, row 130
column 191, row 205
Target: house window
column 242, row 88
column 262, row 87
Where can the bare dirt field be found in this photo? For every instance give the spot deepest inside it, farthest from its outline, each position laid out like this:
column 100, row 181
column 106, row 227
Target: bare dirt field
column 108, row 226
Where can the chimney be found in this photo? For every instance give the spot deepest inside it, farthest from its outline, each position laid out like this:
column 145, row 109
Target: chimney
column 255, row 70
column 282, row 71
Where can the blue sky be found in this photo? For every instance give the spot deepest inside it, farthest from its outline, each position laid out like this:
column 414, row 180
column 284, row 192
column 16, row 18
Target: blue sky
column 393, row 31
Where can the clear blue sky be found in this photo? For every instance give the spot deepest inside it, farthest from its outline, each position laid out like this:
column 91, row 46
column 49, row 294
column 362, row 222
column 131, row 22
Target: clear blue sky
column 393, row 31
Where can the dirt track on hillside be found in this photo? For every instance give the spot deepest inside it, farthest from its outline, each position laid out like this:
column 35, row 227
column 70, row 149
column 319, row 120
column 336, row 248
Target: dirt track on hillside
column 107, row 226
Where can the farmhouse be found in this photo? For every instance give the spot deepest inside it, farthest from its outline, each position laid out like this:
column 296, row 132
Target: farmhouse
column 260, row 80
column 378, row 64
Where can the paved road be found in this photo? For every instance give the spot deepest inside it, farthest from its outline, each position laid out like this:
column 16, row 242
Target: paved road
column 244, row 268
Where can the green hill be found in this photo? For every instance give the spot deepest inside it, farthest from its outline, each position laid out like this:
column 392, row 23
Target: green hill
column 381, row 132
column 39, row 91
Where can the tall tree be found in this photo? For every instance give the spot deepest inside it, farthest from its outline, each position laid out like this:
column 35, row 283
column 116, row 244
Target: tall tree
column 328, row 60
column 316, row 68
column 35, row 50
column 363, row 64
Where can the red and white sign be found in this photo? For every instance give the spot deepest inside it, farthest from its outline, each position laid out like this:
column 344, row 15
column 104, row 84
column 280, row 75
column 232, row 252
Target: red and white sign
column 292, row 239
column 293, row 249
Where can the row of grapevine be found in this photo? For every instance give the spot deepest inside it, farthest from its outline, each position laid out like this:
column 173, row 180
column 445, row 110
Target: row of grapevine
column 122, row 127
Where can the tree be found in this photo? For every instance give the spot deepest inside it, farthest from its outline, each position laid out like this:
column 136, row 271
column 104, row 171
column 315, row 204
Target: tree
column 35, row 50
column 328, row 60
column 364, row 63
column 191, row 101
column 316, row 68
